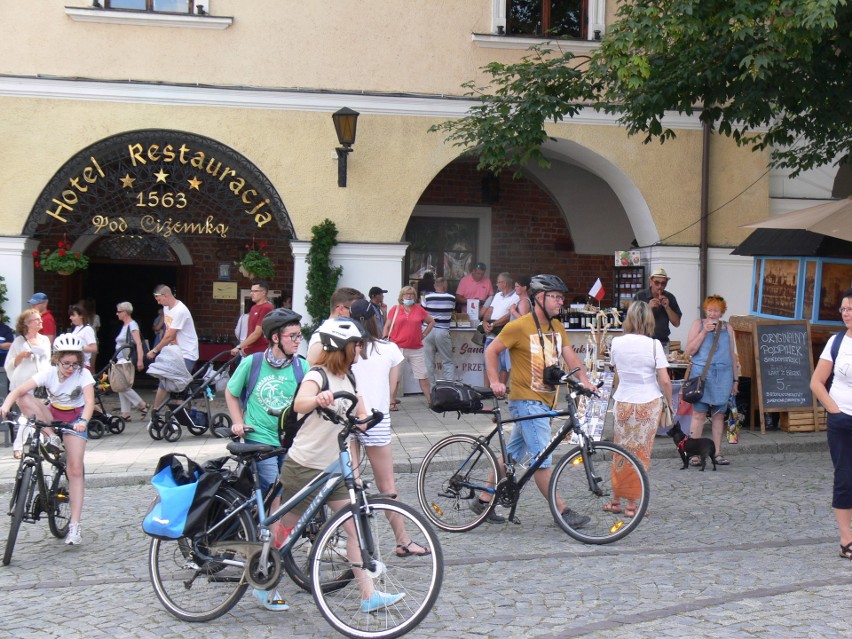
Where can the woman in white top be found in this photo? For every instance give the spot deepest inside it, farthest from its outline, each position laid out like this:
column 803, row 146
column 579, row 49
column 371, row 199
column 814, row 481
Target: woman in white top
column 85, row 332
column 377, row 370
column 71, row 391
column 28, row 355
column 643, row 386
column 838, row 406
column 129, row 336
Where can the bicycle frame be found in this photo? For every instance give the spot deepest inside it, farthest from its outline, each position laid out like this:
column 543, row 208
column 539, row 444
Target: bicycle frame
column 571, row 424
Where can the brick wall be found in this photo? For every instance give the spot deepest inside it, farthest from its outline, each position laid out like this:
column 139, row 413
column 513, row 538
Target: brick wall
column 528, row 232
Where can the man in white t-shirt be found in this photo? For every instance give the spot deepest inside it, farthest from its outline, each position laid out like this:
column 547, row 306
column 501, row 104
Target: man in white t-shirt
column 180, row 330
column 496, row 316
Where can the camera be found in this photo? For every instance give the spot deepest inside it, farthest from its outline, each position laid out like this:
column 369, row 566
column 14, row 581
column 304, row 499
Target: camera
column 553, row 375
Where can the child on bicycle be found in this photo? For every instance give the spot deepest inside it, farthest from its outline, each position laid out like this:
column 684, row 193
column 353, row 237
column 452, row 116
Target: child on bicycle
column 315, row 446
column 71, row 391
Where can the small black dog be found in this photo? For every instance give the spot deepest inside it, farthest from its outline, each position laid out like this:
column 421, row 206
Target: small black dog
column 689, row 447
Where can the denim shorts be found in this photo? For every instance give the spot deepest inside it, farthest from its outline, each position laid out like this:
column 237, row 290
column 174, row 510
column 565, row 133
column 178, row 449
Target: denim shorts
column 69, row 417
column 504, row 362
column 268, row 471
column 531, row 436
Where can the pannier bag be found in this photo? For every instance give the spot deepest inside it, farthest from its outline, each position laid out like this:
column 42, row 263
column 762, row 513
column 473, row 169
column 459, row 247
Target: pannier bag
column 448, row 397
column 185, row 494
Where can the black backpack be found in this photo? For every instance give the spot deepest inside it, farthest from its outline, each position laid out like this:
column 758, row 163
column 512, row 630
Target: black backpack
column 455, row 397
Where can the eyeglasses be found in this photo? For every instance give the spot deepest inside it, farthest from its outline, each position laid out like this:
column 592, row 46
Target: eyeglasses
column 256, row 290
column 34, row 320
column 844, row 309
column 293, row 337
column 72, row 365
column 555, row 296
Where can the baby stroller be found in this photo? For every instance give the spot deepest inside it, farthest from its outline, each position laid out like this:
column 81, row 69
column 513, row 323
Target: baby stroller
column 168, row 421
column 102, row 420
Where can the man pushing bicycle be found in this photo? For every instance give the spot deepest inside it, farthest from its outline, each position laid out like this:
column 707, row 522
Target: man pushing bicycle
column 534, row 341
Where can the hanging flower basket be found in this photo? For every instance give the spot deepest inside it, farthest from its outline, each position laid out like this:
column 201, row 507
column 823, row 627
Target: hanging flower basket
column 60, row 260
column 256, row 263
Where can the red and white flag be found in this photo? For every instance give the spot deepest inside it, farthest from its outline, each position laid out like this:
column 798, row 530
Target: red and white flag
column 597, row 290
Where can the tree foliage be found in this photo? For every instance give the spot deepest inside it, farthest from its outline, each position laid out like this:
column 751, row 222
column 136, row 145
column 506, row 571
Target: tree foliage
column 322, row 276
column 768, row 73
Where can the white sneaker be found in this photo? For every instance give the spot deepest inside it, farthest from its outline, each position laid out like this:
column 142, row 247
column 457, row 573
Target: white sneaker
column 74, row 536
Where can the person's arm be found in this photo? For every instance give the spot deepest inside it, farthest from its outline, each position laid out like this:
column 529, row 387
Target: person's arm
column 140, row 355
column 236, row 413
column 91, row 347
column 169, row 338
column 430, row 324
column 672, row 311
column 665, row 384
column 393, row 377
column 492, row 367
column 696, row 336
column 486, row 319
column 821, row 374
column 572, row 361
column 249, row 340
column 309, row 398
column 82, row 422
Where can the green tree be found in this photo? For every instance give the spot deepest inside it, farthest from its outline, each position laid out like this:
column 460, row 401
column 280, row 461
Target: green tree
column 322, row 276
column 768, row 73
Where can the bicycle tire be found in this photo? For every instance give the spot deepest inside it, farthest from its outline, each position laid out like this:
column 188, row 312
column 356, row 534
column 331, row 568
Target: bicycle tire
column 22, row 488
column 297, row 562
column 451, row 476
column 418, row 578
column 196, row 589
column 569, row 480
column 59, row 504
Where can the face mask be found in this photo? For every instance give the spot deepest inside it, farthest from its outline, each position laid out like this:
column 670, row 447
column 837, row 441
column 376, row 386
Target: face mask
column 408, row 302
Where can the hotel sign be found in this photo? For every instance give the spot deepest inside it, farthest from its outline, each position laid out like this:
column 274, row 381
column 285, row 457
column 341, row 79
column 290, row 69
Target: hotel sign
column 165, row 183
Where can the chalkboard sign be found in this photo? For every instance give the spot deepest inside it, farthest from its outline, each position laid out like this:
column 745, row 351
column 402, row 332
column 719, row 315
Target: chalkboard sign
column 784, row 365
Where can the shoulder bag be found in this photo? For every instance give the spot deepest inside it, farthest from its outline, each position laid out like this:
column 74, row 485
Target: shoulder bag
column 693, row 389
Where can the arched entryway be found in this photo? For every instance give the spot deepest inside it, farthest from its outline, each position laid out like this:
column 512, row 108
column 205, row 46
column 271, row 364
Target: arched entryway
column 160, row 206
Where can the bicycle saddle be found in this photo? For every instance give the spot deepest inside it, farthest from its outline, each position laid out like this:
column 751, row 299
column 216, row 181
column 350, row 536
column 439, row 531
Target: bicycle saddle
column 243, row 449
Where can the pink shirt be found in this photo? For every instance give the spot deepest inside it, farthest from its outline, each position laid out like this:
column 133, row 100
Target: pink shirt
column 407, row 331
column 470, row 289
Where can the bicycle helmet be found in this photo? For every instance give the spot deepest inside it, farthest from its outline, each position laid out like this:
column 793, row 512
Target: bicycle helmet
column 278, row 319
column 336, row 333
column 546, row 283
column 68, row 343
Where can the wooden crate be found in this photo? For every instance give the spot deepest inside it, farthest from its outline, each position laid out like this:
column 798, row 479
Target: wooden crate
column 798, row 422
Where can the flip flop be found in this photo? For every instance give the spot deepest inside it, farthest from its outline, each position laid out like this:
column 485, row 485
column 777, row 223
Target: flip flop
column 394, row 407
column 612, row 507
column 846, row 551
column 721, row 461
column 144, row 411
column 404, row 550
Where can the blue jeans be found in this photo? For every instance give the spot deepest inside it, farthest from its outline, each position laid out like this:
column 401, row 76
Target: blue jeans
column 268, row 471
column 531, row 436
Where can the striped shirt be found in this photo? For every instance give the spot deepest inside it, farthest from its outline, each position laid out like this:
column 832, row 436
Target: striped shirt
column 440, row 306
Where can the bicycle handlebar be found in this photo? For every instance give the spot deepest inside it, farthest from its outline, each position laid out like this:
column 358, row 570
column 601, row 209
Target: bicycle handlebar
column 370, row 421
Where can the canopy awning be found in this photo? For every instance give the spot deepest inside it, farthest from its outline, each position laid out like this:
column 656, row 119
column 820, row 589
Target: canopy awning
column 793, row 243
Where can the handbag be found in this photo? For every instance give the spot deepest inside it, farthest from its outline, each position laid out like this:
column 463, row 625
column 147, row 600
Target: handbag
column 184, row 496
column 121, row 376
column 666, row 417
column 693, row 389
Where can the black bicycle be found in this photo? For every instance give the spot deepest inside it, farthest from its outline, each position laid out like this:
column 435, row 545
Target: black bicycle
column 201, row 577
column 596, row 479
column 34, row 494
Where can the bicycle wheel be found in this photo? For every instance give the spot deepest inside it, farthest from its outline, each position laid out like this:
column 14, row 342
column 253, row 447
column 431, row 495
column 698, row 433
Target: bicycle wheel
column 22, row 495
column 59, row 506
column 608, row 464
column 195, row 588
column 297, row 561
column 453, row 473
column 418, row 579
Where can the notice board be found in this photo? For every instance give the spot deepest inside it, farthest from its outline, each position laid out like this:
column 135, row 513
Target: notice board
column 784, row 365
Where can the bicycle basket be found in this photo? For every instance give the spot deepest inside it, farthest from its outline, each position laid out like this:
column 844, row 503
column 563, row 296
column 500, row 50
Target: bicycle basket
column 455, row 397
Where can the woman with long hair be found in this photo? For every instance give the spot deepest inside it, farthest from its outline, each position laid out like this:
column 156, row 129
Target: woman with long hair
column 315, row 446
column 71, row 391
column 28, row 355
column 376, row 371
column 722, row 374
column 404, row 327
column 82, row 329
column 643, row 386
column 129, row 336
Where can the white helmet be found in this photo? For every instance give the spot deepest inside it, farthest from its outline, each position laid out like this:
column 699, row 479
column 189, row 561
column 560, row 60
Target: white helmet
column 68, row 343
column 336, row 333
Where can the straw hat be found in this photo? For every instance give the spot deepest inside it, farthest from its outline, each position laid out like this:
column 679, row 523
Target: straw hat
column 661, row 272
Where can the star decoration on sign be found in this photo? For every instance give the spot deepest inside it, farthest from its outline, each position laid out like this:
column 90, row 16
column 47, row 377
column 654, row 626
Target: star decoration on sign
column 161, row 176
column 194, row 183
column 127, row 181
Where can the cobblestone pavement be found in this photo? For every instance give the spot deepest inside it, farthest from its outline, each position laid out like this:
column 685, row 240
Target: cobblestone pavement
column 747, row 551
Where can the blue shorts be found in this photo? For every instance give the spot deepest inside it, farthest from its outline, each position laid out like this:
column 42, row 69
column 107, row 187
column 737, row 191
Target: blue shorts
column 532, row 436
column 268, row 471
column 503, row 359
